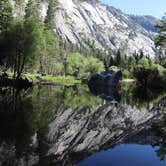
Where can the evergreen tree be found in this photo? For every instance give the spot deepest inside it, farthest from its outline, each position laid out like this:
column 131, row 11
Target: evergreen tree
column 34, row 35
column 118, row 58
column 141, row 54
column 49, row 20
column 31, row 10
column 111, row 63
column 6, row 15
column 161, row 39
column 160, row 42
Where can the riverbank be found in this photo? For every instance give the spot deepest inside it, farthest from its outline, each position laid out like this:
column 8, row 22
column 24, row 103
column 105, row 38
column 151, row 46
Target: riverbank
column 45, row 79
column 49, row 79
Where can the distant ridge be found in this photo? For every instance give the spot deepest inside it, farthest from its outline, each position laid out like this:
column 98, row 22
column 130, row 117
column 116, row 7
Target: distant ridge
column 148, row 22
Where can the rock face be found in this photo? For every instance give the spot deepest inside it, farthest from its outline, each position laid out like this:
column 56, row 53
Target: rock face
column 79, row 21
column 82, row 21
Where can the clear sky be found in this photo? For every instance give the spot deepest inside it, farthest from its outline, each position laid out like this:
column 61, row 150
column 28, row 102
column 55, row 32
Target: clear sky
column 155, row 8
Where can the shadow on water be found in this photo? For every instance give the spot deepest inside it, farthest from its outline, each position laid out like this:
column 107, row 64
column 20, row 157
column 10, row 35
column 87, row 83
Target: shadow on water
column 105, row 92
column 57, row 125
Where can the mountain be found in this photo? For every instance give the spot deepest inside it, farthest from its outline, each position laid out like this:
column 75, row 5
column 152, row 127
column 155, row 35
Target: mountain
column 84, row 22
column 147, row 22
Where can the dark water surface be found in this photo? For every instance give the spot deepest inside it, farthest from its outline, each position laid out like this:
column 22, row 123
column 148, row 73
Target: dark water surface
column 78, row 126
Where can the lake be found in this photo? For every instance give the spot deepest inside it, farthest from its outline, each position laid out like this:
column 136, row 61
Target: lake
column 50, row 125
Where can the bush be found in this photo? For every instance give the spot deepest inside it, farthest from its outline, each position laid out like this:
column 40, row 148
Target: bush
column 144, row 62
column 83, row 67
column 75, row 63
column 92, row 66
column 126, row 74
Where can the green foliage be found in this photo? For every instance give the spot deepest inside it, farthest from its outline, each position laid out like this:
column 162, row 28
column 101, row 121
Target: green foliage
column 131, row 62
column 80, row 96
column 49, row 20
column 126, row 74
column 28, row 45
column 75, row 63
column 161, row 39
column 83, row 67
column 50, row 54
column 144, row 62
column 92, row 66
column 31, row 10
column 65, row 80
column 34, row 42
column 6, row 15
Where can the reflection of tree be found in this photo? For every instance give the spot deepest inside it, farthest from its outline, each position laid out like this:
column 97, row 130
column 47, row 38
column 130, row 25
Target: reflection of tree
column 160, row 139
column 15, row 111
column 23, row 113
column 126, row 94
column 159, row 132
column 79, row 96
column 140, row 96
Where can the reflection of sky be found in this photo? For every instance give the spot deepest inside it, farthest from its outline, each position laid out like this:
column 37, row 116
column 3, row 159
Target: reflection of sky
column 140, row 7
column 125, row 155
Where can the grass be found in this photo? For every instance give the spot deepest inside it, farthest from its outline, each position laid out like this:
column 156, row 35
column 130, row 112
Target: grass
column 49, row 79
column 65, row 80
column 128, row 80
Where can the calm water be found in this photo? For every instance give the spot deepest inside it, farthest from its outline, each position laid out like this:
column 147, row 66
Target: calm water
column 81, row 126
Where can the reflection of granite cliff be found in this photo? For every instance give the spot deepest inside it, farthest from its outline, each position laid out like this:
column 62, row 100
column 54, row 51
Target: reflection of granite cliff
column 84, row 131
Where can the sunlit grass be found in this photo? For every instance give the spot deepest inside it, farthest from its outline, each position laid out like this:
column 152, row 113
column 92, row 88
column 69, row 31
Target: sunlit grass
column 67, row 80
column 128, row 80
column 38, row 78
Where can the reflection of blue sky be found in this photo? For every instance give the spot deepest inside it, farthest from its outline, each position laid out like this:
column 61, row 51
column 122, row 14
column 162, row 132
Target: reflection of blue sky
column 125, row 155
column 140, row 7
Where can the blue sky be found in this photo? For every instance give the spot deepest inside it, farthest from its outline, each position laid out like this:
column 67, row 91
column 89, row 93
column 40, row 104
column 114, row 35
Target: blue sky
column 155, row 8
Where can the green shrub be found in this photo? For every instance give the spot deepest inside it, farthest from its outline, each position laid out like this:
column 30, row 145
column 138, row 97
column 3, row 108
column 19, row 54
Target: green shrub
column 144, row 62
column 126, row 74
column 83, row 67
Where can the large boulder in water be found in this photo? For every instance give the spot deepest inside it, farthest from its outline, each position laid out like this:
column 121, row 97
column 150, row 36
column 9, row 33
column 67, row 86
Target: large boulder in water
column 110, row 78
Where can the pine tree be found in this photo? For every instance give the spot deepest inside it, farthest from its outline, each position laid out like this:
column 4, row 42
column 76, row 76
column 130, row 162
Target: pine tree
column 31, row 10
column 6, row 15
column 118, row 58
column 34, row 35
column 49, row 20
column 161, row 39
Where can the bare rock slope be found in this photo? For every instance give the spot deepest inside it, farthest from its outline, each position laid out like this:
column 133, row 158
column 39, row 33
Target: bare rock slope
column 79, row 21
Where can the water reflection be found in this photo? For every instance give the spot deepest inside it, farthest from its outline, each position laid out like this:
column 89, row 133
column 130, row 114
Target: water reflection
column 106, row 92
column 125, row 155
column 57, row 125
